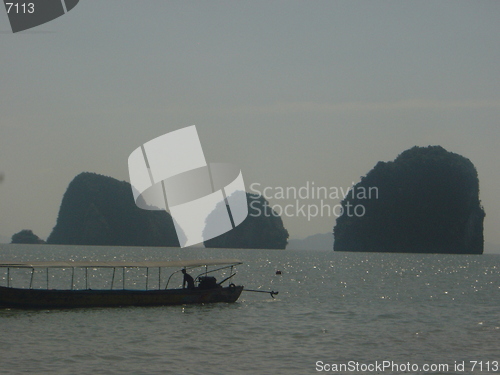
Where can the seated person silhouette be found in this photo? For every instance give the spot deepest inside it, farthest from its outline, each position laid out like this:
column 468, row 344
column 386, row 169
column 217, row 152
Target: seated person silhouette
column 188, row 279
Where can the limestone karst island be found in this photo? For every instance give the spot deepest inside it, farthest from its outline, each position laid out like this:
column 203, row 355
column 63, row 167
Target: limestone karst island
column 428, row 202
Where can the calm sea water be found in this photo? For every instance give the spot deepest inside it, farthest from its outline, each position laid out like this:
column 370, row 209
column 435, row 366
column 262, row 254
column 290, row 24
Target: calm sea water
column 350, row 309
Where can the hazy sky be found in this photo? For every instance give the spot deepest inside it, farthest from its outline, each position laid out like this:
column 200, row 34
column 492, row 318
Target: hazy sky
column 289, row 91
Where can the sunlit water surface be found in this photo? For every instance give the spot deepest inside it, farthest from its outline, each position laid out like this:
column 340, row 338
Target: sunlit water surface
column 331, row 307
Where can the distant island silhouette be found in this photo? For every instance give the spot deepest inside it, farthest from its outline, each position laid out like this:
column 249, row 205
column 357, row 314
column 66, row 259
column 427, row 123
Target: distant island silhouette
column 319, row 241
column 100, row 210
column 428, row 202
column 262, row 229
column 26, row 236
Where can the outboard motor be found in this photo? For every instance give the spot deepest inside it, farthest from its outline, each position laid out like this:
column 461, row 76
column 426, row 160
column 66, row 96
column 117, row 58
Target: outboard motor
column 208, row 282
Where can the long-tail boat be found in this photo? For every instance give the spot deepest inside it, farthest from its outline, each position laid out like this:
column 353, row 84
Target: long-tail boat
column 205, row 290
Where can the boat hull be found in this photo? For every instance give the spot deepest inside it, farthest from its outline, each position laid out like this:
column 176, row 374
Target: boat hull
column 43, row 298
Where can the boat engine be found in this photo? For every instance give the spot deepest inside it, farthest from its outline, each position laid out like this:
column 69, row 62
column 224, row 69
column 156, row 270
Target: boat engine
column 208, row 282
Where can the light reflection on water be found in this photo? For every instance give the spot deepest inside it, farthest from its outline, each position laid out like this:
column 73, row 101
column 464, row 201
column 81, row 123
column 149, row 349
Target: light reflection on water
column 334, row 307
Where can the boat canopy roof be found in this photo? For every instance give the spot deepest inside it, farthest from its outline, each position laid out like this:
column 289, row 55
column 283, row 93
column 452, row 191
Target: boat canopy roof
column 112, row 264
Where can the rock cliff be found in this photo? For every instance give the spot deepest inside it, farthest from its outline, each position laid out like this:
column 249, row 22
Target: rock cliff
column 425, row 201
column 100, row 210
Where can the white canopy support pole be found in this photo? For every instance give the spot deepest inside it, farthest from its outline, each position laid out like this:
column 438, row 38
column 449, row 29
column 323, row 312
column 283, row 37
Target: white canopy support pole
column 113, row 279
column 31, row 280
